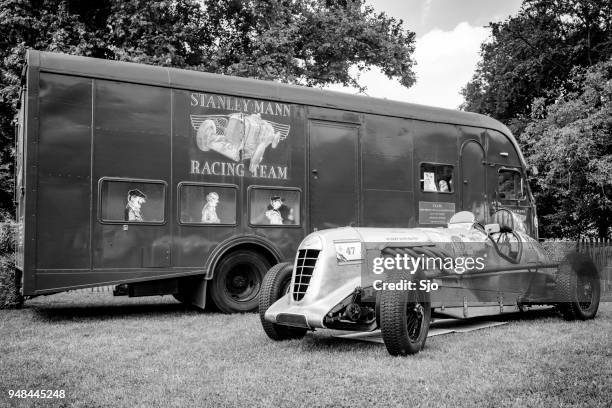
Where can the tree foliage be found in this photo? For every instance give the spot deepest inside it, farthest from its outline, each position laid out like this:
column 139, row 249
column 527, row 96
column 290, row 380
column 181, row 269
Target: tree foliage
column 309, row 42
column 570, row 141
column 534, row 52
column 539, row 73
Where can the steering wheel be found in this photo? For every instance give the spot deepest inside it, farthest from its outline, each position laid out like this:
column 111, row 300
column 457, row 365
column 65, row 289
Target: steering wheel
column 502, row 239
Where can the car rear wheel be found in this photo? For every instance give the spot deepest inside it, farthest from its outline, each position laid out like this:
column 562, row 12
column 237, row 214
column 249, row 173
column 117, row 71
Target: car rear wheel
column 275, row 285
column 578, row 288
column 237, row 281
column 404, row 316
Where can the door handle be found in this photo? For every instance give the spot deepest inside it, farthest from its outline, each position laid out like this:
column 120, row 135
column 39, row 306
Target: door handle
column 315, row 173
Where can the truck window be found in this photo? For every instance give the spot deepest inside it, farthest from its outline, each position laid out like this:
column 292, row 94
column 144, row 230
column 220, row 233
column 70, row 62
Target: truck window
column 132, row 201
column 274, row 206
column 437, row 178
column 209, row 204
column 510, row 185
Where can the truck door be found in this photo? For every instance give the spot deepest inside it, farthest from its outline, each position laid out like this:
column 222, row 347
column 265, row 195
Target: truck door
column 473, row 196
column 333, row 188
column 506, row 182
column 511, row 194
column 131, row 173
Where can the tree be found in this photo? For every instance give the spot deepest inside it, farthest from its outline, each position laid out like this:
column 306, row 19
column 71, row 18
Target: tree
column 534, row 52
column 570, row 141
column 309, row 42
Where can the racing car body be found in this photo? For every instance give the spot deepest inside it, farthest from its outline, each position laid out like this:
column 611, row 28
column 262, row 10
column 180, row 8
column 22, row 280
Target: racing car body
column 350, row 278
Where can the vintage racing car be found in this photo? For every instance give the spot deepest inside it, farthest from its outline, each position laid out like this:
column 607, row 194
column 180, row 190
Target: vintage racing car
column 397, row 280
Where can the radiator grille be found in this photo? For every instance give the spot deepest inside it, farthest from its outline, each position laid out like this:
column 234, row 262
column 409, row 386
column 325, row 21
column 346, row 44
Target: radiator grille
column 306, row 261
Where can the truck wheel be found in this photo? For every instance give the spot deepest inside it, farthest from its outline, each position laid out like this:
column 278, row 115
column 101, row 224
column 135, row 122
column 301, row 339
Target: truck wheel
column 578, row 288
column 404, row 317
column 275, row 285
column 237, row 281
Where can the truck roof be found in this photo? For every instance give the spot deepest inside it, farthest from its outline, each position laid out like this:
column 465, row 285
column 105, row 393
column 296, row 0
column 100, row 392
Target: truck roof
column 253, row 88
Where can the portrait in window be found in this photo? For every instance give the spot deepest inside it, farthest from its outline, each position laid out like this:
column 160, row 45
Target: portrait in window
column 437, row 178
column 132, row 201
column 207, row 204
column 510, row 185
column 270, row 206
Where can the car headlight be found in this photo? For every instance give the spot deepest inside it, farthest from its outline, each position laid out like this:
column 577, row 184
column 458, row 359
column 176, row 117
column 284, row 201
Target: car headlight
column 313, row 241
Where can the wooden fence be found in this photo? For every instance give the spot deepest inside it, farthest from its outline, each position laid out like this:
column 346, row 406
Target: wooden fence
column 600, row 250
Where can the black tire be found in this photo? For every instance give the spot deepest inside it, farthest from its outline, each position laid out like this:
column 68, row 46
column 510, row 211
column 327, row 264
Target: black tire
column 578, row 288
column 275, row 285
column 237, row 281
column 405, row 316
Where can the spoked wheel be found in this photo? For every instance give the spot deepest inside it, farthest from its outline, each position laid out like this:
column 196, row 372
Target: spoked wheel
column 414, row 318
column 585, row 292
column 578, row 288
column 237, row 281
column 404, row 317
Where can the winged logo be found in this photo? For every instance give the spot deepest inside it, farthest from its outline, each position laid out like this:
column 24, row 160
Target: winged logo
column 238, row 136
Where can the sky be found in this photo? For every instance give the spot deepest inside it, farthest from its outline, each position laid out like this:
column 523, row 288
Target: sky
column 448, row 38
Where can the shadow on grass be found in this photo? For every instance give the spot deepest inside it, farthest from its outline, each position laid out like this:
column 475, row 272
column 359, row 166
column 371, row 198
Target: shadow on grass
column 97, row 311
column 325, row 340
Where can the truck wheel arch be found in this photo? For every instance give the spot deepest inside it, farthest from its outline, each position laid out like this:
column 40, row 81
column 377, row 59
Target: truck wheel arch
column 244, row 242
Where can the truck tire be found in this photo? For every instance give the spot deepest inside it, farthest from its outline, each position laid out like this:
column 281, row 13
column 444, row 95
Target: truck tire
column 237, row 281
column 404, row 316
column 578, row 288
column 276, row 285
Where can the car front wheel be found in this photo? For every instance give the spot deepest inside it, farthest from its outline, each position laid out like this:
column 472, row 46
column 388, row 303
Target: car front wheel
column 275, row 285
column 404, row 316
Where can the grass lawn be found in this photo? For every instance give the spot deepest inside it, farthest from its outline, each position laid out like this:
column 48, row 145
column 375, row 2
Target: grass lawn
column 155, row 352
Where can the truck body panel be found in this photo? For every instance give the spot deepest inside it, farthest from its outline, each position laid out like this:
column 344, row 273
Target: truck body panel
column 94, row 134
